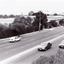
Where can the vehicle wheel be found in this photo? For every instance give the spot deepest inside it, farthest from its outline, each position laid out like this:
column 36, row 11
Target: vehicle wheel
column 50, row 47
column 38, row 49
column 45, row 49
column 59, row 46
column 63, row 47
column 11, row 41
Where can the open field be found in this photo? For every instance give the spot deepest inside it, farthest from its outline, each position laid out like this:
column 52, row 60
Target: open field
column 55, row 17
column 10, row 20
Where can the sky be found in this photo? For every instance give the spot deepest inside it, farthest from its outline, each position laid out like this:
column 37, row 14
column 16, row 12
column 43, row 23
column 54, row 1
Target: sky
column 18, row 7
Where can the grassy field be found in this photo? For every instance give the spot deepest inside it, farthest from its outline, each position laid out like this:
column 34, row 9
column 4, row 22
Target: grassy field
column 55, row 17
column 10, row 20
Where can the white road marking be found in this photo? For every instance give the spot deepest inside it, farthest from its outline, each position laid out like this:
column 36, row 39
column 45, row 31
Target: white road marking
column 56, row 38
column 6, row 61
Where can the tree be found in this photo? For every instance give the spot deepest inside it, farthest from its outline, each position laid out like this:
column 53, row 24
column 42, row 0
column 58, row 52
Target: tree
column 41, row 19
column 1, row 16
column 29, row 28
column 48, row 14
column 28, row 20
column 17, row 28
column 2, row 27
column 55, row 14
column 11, row 16
column 30, row 13
column 5, row 16
column 5, row 31
column 61, row 22
column 20, row 20
column 17, row 16
column 53, row 23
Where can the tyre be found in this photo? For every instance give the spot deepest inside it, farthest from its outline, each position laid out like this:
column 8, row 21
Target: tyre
column 45, row 49
column 59, row 46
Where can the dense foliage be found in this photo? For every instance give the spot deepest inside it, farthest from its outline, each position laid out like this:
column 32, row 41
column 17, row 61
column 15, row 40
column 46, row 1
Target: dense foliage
column 58, row 58
column 41, row 19
column 61, row 22
column 26, row 24
column 5, row 31
column 53, row 23
column 9, row 16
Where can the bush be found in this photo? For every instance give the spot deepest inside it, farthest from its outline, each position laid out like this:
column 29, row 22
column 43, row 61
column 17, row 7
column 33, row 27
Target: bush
column 29, row 29
column 58, row 58
column 40, row 18
column 48, row 25
column 61, row 22
column 2, row 27
column 17, row 28
column 53, row 23
column 6, row 33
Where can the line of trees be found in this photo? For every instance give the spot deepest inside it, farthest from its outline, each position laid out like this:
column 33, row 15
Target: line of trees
column 33, row 22
column 30, row 13
column 9, row 16
column 25, row 25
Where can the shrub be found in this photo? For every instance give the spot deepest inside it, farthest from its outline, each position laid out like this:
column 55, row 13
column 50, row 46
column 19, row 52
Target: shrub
column 2, row 27
column 17, row 28
column 61, row 22
column 58, row 58
column 29, row 28
column 53, row 23
column 40, row 18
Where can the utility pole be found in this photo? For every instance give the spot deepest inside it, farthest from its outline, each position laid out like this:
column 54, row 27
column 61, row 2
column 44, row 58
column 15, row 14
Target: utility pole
column 39, row 21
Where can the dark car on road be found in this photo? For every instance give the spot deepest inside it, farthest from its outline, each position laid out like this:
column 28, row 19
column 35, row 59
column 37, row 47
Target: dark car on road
column 45, row 46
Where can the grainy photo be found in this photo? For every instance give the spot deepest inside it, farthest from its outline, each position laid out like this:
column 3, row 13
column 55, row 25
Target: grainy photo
column 31, row 31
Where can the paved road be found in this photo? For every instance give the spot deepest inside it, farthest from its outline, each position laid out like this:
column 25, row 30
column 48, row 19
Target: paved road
column 31, row 56
column 28, row 41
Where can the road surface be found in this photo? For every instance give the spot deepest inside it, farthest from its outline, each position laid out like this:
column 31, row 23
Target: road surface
column 28, row 41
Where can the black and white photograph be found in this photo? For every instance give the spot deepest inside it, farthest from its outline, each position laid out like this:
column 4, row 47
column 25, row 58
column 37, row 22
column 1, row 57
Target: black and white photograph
column 31, row 31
